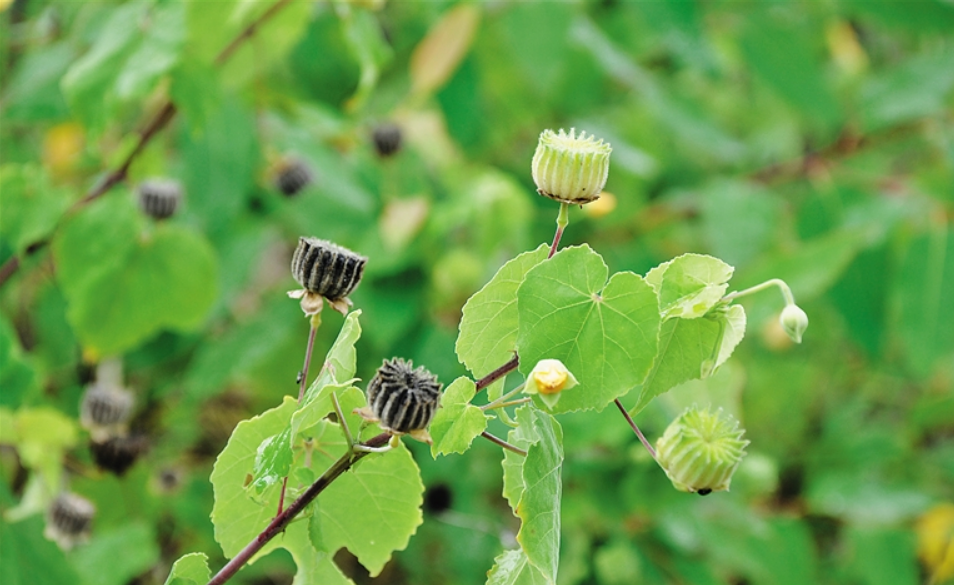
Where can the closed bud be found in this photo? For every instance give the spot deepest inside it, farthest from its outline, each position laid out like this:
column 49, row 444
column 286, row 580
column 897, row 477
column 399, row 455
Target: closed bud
column 569, row 168
column 402, row 398
column 69, row 519
column 387, row 139
column 105, row 409
column 292, row 176
column 159, row 198
column 794, row 321
column 700, row 451
column 326, row 269
column 547, row 379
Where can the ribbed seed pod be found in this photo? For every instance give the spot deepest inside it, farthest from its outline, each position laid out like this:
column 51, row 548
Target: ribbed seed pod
column 118, row 454
column 326, row 269
column 402, row 398
column 105, row 406
column 71, row 515
column 159, row 198
column 387, row 139
column 700, row 450
column 293, row 175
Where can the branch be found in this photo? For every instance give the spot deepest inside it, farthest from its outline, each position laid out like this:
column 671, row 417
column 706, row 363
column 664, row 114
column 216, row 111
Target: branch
column 155, row 125
column 280, row 522
column 500, row 372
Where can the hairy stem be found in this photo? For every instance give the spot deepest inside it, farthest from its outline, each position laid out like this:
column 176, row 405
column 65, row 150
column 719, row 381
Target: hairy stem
column 159, row 121
column 563, row 220
column 781, row 284
column 636, row 430
column 500, row 372
column 280, row 522
column 502, row 443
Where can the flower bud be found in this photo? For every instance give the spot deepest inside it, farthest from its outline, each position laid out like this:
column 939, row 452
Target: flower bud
column 387, row 139
column 403, row 399
column 569, row 168
column 794, row 321
column 159, row 198
column 547, row 379
column 69, row 519
column 292, row 176
column 326, row 269
column 700, row 451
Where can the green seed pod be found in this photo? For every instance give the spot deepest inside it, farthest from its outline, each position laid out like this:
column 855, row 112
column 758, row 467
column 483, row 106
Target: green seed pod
column 387, row 139
column 700, row 450
column 402, row 398
column 69, row 519
column 159, row 198
column 569, row 168
column 326, row 269
column 293, row 176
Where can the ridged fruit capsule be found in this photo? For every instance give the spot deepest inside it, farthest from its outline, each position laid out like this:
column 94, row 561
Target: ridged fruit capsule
column 105, row 408
column 387, row 139
column 402, row 398
column 69, row 519
column 292, row 176
column 159, row 198
column 118, row 454
column 326, row 269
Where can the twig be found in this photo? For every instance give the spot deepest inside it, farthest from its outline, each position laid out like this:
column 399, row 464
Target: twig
column 502, row 443
column 157, row 123
column 500, row 372
column 280, row 522
column 636, row 430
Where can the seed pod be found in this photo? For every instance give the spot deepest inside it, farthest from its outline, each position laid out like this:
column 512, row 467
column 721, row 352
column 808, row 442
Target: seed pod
column 387, row 139
column 569, row 168
column 69, row 519
column 402, row 398
column 293, row 176
column 159, row 198
column 326, row 269
column 700, row 451
column 105, row 407
column 118, row 454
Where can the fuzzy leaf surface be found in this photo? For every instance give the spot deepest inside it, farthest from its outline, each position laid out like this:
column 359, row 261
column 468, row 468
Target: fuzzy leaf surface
column 457, row 421
column 604, row 332
column 689, row 285
column 190, row 569
column 514, row 568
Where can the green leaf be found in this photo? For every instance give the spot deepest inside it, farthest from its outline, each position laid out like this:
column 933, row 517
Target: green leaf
column 689, row 285
column 514, row 568
column 98, row 563
column 488, row 328
column 316, row 566
column 190, row 569
column 539, row 507
column 32, row 206
column 157, row 53
column 604, row 332
column 318, row 407
column 690, row 349
column 118, row 298
column 43, row 436
column 883, row 556
column 522, row 437
column 341, row 361
column 17, row 375
column 27, row 558
column 364, row 37
column 373, row 510
column 457, row 421
column 273, row 460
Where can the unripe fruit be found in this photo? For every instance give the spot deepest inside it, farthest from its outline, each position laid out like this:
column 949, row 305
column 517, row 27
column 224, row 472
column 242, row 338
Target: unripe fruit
column 403, row 399
column 700, row 450
column 326, row 269
column 569, row 168
column 159, row 198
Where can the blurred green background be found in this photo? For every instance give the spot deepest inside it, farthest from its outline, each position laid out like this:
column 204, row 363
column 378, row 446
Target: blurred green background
column 809, row 141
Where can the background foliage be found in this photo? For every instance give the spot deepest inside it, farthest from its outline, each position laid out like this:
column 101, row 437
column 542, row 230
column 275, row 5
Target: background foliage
column 812, row 142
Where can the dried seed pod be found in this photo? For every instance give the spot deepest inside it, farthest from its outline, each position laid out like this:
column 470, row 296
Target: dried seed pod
column 387, row 139
column 292, row 176
column 326, row 269
column 69, row 519
column 105, row 408
column 117, row 454
column 402, row 398
column 159, row 198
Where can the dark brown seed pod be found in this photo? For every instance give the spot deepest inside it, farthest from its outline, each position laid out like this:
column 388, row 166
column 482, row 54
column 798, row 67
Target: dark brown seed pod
column 159, row 198
column 293, row 176
column 118, row 454
column 387, row 139
column 105, row 406
column 402, row 398
column 326, row 269
column 71, row 515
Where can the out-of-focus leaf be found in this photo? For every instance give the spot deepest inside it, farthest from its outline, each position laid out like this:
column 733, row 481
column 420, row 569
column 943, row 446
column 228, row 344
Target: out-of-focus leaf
column 457, row 421
column 918, row 88
column 372, row 51
column 157, row 52
column 618, row 563
column 605, row 332
column 440, row 52
column 27, row 558
column 32, row 206
column 928, row 16
column 43, row 436
column 32, row 90
column 99, row 564
column 739, row 220
column 543, row 63
column 190, row 569
column 882, row 556
column 841, row 495
column 17, row 376
column 514, row 568
column 690, row 285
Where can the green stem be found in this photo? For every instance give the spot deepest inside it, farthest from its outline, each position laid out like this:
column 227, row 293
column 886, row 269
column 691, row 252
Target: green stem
column 563, row 220
column 632, row 425
column 782, row 286
column 502, row 443
column 506, row 404
column 504, row 398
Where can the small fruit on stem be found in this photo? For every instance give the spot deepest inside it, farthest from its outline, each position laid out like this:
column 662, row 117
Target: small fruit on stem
column 118, row 454
column 326, row 270
column 569, row 168
column 548, row 379
column 69, row 519
column 700, row 451
column 794, row 321
column 159, row 198
column 387, row 139
column 403, row 399
column 292, row 176
column 105, row 410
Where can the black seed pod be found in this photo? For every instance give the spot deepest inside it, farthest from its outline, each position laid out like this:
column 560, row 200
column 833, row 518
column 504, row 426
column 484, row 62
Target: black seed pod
column 293, row 175
column 159, row 198
column 71, row 515
column 387, row 139
column 402, row 398
column 104, row 406
column 118, row 453
column 326, row 269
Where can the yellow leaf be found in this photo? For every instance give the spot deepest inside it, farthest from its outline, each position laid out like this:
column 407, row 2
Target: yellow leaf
column 440, row 52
